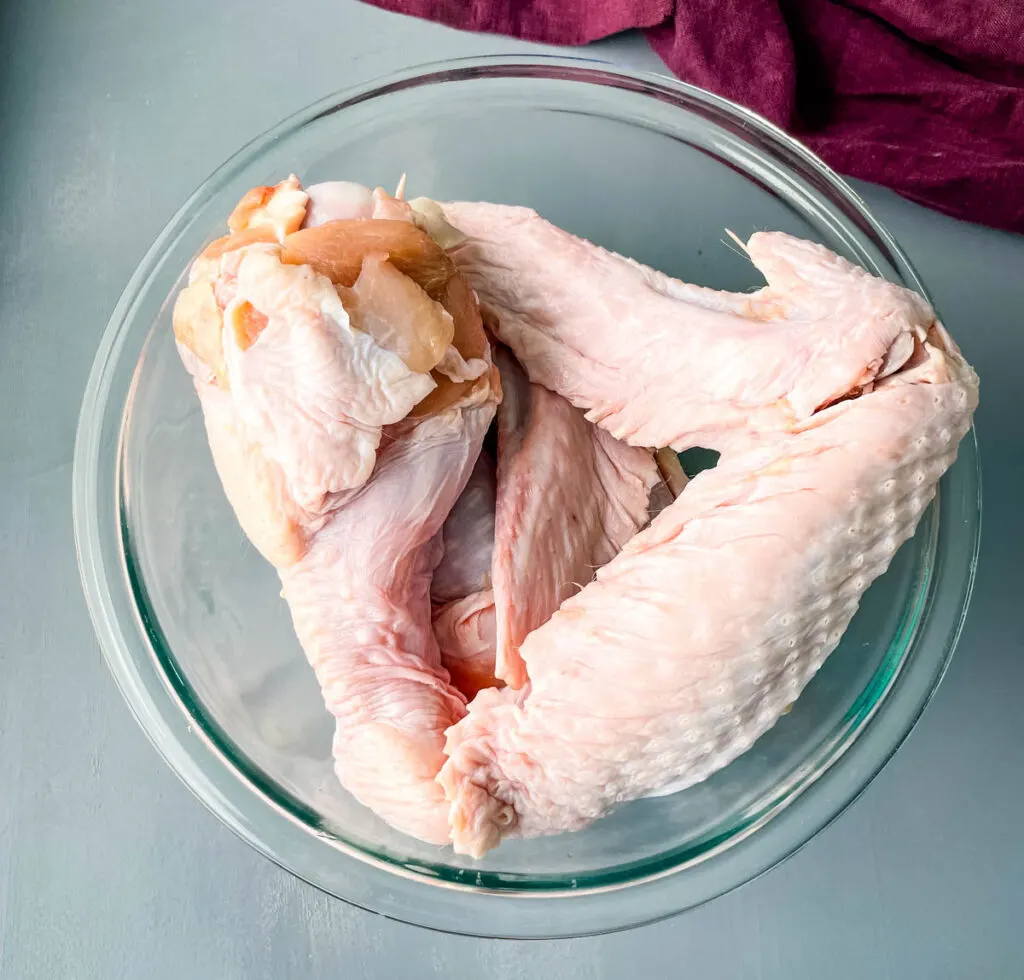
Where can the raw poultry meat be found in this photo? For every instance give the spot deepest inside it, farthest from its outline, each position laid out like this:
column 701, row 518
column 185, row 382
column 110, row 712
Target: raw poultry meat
column 690, row 644
column 347, row 386
column 360, row 601
column 461, row 590
column 320, row 393
column 465, row 631
column 567, row 497
column 658, row 362
column 463, row 603
column 468, row 536
column 570, row 495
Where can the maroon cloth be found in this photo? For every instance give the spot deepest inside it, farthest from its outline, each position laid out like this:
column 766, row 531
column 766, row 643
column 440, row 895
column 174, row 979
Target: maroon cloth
column 925, row 96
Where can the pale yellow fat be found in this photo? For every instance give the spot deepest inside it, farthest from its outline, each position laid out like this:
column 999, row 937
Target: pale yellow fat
column 398, row 314
column 197, row 325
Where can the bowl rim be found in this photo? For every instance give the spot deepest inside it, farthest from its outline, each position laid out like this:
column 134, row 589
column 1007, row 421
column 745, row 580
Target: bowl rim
column 217, row 781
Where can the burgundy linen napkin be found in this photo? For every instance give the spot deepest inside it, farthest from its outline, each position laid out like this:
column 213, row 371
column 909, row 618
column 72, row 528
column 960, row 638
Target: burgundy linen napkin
column 924, row 96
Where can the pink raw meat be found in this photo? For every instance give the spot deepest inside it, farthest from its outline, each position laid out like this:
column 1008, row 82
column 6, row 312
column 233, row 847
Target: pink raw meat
column 468, row 537
column 658, row 362
column 465, row 634
column 569, row 497
column 360, row 602
column 839, row 400
column 340, row 488
column 691, row 643
column 461, row 591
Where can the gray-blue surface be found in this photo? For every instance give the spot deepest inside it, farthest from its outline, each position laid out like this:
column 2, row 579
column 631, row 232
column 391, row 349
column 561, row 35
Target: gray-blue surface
column 112, row 112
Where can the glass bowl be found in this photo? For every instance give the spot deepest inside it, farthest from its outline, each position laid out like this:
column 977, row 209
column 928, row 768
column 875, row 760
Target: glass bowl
column 190, row 618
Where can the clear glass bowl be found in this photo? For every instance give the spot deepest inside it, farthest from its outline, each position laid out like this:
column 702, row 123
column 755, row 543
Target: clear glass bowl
column 189, row 615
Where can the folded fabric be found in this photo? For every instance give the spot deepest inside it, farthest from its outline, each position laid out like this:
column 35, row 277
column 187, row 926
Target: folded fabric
column 923, row 96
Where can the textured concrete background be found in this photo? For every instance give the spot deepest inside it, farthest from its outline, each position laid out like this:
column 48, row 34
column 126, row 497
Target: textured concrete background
column 112, row 112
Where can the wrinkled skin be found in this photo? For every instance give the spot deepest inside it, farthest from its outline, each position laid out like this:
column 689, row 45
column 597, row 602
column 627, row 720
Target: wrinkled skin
column 461, row 589
column 569, row 497
column 465, row 632
column 723, row 610
column 836, row 399
column 360, row 602
column 339, row 475
column 691, row 643
column 658, row 362
column 468, row 537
